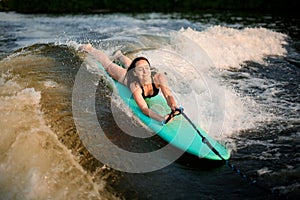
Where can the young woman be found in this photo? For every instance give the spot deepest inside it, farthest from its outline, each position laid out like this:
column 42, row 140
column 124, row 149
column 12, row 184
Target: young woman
column 138, row 77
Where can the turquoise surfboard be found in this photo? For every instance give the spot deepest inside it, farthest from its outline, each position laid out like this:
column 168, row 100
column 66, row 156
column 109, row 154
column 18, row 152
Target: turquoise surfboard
column 178, row 132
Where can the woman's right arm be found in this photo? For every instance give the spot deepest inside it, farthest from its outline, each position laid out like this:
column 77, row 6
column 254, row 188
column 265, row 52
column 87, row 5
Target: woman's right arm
column 137, row 95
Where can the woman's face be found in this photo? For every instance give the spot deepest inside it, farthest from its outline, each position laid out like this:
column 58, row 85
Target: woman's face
column 142, row 70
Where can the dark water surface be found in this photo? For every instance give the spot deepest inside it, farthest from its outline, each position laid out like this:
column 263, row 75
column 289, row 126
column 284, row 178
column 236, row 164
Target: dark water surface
column 246, row 96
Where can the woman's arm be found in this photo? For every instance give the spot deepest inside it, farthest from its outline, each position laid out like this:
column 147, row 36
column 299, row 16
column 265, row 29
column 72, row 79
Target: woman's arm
column 137, row 95
column 166, row 91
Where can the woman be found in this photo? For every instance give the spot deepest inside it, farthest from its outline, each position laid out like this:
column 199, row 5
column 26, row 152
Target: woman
column 138, row 77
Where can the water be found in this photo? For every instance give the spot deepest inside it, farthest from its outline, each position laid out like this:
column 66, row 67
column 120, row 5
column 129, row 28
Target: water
column 237, row 75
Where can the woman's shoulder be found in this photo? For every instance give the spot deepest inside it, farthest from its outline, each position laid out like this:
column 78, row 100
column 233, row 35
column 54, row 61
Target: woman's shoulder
column 158, row 75
column 134, row 86
column 159, row 78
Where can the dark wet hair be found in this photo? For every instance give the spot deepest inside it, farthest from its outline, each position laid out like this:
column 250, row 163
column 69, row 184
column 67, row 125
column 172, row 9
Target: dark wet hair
column 130, row 77
column 137, row 59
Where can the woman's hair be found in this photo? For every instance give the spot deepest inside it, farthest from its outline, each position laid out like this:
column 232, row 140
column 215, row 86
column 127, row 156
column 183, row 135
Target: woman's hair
column 130, row 77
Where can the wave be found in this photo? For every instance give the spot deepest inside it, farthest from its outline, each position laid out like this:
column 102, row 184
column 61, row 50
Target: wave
column 41, row 153
column 230, row 48
column 38, row 152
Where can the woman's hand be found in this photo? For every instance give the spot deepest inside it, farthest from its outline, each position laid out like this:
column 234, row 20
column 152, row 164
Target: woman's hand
column 169, row 117
column 174, row 107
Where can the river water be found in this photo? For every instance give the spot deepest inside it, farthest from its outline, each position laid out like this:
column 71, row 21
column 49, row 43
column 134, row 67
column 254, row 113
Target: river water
column 236, row 75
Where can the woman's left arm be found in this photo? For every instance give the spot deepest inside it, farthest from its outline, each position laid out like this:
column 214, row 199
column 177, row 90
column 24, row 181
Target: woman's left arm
column 162, row 81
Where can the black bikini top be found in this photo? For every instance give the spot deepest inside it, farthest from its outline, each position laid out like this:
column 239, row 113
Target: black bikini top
column 155, row 91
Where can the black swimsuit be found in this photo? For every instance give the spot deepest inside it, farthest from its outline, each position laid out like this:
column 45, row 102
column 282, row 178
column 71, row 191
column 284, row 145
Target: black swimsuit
column 155, row 91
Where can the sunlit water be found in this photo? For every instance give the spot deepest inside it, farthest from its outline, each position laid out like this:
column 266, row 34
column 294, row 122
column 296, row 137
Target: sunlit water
column 236, row 76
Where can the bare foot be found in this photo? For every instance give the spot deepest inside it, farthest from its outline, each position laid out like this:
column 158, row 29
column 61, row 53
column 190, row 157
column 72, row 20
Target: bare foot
column 85, row 47
column 116, row 55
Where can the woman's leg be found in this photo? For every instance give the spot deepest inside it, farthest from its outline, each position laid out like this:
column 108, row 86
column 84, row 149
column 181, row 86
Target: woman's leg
column 115, row 71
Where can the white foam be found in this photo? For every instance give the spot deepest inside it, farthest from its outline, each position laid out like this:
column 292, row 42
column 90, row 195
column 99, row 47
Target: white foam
column 263, row 171
column 230, row 48
column 51, row 84
column 287, row 189
column 222, row 109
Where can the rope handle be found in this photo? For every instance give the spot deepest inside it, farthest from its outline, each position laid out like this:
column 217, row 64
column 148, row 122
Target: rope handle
column 173, row 113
